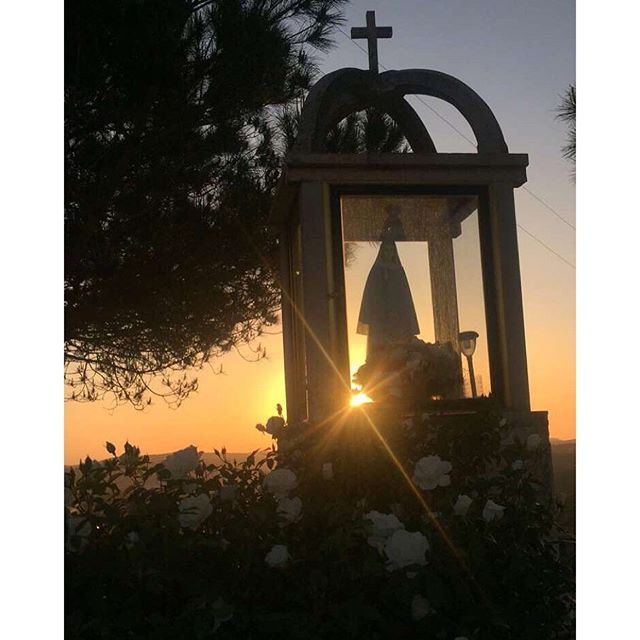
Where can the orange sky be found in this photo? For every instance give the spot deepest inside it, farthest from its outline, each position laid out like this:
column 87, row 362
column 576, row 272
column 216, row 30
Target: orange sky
column 226, row 407
column 520, row 64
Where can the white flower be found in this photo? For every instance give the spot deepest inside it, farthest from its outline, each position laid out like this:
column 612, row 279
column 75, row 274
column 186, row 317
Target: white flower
column 228, row 492
column 431, row 472
column 222, row 613
column 182, row 462
column 383, row 526
column 420, row 607
column 492, row 511
column 405, row 548
column 194, row 510
column 280, row 481
column 278, row 556
column 327, row 471
column 462, row 505
column 289, row 510
column 503, row 422
column 190, row 487
column 533, row 441
column 517, row 465
column 131, row 540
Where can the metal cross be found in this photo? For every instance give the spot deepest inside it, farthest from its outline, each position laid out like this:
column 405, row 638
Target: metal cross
column 371, row 33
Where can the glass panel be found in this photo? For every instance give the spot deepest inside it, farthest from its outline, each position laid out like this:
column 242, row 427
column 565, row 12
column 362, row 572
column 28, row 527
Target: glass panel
column 413, row 281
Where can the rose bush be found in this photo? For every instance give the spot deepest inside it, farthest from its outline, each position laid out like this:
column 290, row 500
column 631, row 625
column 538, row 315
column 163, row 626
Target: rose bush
column 273, row 545
column 431, row 472
column 492, row 511
column 462, row 505
column 280, row 482
column 182, row 462
column 383, row 526
column 405, row 548
column 194, row 510
column 289, row 510
column 277, row 557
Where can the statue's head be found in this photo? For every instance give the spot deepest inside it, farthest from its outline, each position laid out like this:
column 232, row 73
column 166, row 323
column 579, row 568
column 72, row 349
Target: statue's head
column 393, row 229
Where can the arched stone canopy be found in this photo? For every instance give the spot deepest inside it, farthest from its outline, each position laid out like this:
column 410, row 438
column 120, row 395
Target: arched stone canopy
column 342, row 92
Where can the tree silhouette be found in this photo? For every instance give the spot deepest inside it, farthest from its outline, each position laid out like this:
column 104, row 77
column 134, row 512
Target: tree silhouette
column 169, row 168
column 567, row 113
column 174, row 116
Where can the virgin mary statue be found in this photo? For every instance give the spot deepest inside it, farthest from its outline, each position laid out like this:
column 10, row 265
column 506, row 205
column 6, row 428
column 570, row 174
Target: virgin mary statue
column 387, row 314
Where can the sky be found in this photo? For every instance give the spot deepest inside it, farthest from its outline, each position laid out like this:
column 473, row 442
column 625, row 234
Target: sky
column 519, row 55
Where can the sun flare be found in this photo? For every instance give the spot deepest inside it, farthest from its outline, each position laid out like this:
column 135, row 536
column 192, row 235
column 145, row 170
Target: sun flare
column 359, row 399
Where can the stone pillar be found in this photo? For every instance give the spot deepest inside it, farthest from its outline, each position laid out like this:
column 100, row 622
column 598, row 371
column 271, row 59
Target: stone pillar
column 288, row 324
column 444, row 297
column 326, row 390
column 503, row 297
column 292, row 325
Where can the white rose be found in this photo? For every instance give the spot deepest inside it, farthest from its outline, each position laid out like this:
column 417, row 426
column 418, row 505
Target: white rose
column 533, row 442
column 222, row 612
column 131, row 540
column 420, row 607
column 517, row 465
column 190, row 487
column 431, row 472
column 280, row 481
column 327, row 471
column 462, row 505
column 492, row 511
column 194, row 510
column 289, row 510
column 228, row 492
column 383, row 526
column 278, row 556
column 406, row 548
column 182, row 462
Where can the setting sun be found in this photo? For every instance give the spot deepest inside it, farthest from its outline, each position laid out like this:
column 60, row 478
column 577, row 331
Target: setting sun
column 359, row 399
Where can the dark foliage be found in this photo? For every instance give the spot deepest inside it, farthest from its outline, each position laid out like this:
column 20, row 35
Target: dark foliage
column 567, row 113
column 133, row 571
column 170, row 163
